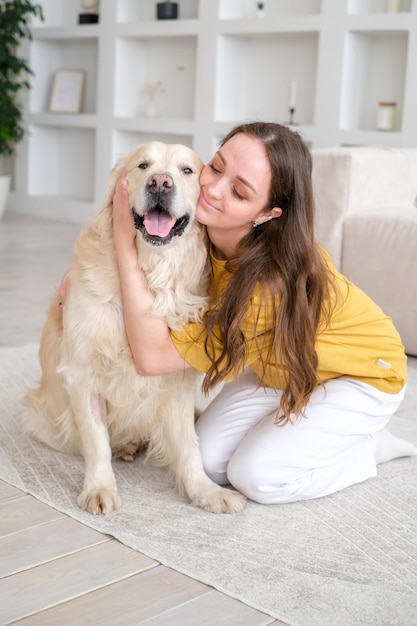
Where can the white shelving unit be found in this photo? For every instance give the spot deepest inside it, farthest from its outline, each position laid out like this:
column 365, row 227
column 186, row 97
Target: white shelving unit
column 216, row 65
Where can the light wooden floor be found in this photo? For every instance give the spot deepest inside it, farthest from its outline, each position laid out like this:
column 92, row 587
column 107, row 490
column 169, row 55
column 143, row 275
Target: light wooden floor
column 54, row 570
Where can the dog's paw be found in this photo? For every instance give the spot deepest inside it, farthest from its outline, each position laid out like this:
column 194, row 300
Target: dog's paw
column 99, row 501
column 220, row 500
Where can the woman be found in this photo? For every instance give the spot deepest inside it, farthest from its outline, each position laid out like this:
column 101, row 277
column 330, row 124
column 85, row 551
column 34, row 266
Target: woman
column 313, row 368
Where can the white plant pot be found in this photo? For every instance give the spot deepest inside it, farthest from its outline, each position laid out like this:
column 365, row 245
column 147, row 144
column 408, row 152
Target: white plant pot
column 4, row 193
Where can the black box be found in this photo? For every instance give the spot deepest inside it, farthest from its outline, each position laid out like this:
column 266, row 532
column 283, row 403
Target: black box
column 88, row 18
column 167, row 10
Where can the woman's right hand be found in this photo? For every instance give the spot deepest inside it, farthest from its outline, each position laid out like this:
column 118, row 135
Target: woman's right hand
column 149, row 337
column 123, row 225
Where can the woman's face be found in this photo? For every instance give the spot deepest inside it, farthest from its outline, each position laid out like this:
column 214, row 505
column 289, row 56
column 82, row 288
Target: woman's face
column 235, row 186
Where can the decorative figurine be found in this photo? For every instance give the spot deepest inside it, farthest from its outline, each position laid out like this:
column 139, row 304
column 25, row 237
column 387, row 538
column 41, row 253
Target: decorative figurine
column 152, row 90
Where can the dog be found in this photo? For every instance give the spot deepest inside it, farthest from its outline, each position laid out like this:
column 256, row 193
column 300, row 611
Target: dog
column 90, row 400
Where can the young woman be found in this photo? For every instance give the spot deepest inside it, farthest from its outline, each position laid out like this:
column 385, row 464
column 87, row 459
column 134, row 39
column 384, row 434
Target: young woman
column 313, row 368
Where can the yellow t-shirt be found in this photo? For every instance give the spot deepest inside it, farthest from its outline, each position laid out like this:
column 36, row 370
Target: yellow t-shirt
column 360, row 341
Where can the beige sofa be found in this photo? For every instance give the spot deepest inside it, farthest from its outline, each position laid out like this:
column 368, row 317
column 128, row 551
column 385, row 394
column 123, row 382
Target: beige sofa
column 366, row 201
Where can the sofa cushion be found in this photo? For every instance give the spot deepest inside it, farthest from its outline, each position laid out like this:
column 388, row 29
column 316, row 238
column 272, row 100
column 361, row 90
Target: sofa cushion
column 379, row 254
column 347, row 181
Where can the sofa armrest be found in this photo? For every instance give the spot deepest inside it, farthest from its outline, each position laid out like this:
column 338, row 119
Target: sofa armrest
column 359, row 180
column 379, row 255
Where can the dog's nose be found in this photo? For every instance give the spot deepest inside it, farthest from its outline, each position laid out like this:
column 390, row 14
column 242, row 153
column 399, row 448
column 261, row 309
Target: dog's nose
column 158, row 183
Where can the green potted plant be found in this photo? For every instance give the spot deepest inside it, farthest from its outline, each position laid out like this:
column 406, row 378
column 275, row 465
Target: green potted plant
column 14, row 76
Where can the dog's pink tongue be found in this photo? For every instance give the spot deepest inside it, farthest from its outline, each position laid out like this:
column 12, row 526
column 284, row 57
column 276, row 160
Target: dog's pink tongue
column 158, row 224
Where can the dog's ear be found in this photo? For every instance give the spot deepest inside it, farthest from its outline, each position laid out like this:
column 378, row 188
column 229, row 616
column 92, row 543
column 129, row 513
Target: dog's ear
column 113, row 177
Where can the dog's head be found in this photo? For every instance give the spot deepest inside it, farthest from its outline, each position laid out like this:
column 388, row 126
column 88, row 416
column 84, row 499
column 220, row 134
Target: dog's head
column 163, row 186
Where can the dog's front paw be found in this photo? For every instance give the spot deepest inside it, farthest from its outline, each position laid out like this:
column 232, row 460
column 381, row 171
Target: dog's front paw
column 99, row 501
column 220, row 500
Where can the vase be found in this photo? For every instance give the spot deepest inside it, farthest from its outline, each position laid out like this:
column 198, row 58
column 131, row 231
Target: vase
column 4, row 193
column 151, row 110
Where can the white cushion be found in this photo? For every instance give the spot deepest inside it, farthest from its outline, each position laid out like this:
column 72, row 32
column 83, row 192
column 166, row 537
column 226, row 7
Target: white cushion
column 358, row 180
column 380, row 256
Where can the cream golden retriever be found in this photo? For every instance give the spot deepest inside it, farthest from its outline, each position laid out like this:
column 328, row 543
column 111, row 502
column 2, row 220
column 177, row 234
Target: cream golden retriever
column 90, row 399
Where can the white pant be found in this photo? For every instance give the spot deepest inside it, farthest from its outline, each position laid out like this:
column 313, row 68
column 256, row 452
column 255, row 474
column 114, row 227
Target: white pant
column 329, row 449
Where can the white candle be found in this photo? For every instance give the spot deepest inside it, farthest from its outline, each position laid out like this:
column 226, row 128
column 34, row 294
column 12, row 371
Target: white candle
column 293, row 94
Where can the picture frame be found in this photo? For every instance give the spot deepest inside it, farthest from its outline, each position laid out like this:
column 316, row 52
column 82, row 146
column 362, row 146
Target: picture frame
column 67, row 91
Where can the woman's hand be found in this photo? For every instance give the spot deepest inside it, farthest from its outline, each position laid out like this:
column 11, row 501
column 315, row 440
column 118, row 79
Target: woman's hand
column 149, row 336
column 123, row 226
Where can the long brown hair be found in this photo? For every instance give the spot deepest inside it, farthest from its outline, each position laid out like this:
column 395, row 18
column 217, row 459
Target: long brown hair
column 282, row 257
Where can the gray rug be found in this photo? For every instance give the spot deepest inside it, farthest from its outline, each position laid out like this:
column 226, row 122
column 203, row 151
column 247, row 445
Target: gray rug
column 346, row 560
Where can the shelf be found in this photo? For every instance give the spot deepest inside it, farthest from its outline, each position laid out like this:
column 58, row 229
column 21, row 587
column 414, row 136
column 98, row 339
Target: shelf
column 132, row 132
column 374, row 70
column 247, row 9
column 218, row 65
column 49, row 55
column 155, row 125
column 370, row 138
column 380, row 23
column 80, row 120
column 66, row 168
column 163, row 28
column 222, row 129
column 245, row 92
column 164, row 65
column 60, row 13
column 392, row 7
column 287, row 24
column 125, row 141
column 141, row 10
